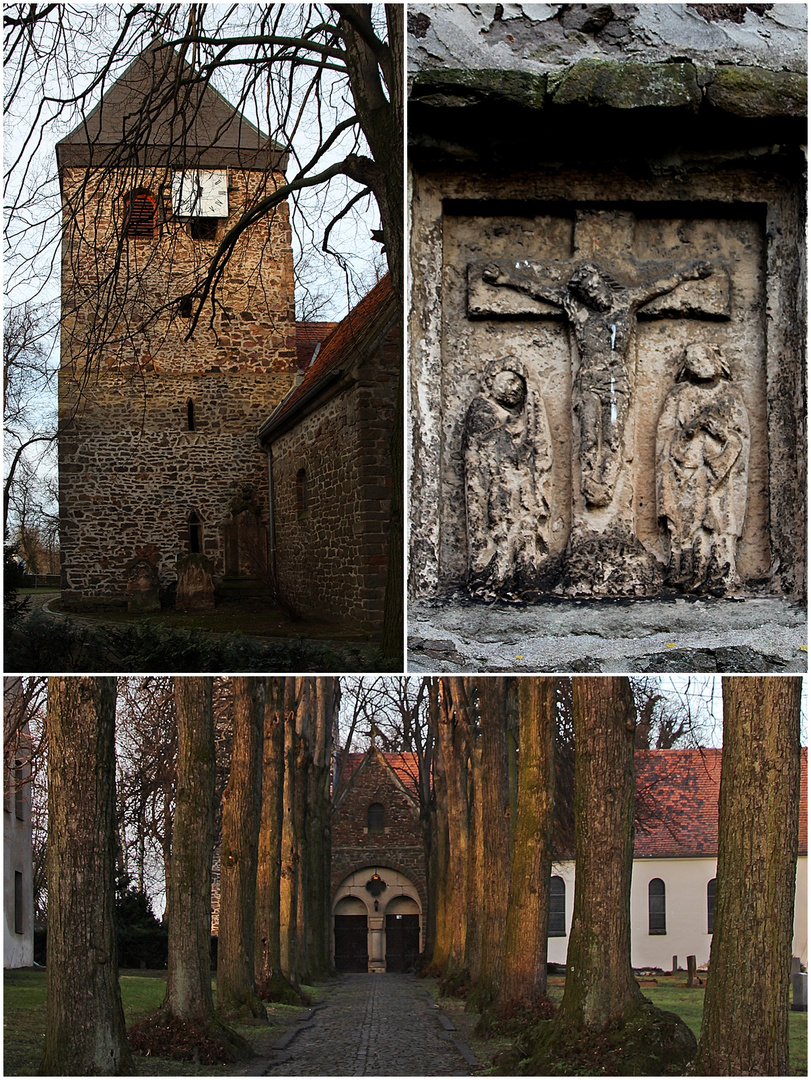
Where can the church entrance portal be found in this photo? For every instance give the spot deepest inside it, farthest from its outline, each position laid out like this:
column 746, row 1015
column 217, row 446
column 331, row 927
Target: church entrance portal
column 402, row 941
column 377, row 924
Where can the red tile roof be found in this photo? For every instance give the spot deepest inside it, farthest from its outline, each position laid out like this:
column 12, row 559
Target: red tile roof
column 337, row 348
column 676, row 799
column 677, row 803
column 308, row 335
column 404, row 766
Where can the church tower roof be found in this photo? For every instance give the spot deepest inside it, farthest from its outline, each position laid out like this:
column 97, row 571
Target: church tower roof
column 159, row 112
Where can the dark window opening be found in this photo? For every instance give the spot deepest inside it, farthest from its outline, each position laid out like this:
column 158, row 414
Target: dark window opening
column 185, row 307
column 19, row 915
column 656, row 907
column 19, row 783
column 711, row 906
column 203, row 228
column 195, row 534
column 557, row 907
column 190, row 414
column 376, row 818
column 141, row 213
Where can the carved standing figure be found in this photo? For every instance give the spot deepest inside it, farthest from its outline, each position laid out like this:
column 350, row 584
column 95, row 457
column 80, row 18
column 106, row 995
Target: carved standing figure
column 602, row 315
column 702, row 459
column 508, row 456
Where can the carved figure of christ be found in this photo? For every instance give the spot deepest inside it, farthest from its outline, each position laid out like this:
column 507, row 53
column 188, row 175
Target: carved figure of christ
column 602, row 314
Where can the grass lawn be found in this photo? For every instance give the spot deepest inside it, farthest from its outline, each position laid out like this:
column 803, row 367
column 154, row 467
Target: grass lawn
column 670, row 993
column 142, row 992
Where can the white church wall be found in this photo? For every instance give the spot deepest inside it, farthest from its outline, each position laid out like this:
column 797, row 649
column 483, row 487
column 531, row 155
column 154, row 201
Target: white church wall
column 685, row 912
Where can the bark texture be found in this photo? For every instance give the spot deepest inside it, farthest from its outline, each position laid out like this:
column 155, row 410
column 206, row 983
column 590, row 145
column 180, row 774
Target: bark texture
column 603, row 1019
column 600, row 985
column 523, row 973
column 236, row 991
column 188, row 987
column 744, row 1030
column 492, row 834
column 271, row 984
column 84, row 1025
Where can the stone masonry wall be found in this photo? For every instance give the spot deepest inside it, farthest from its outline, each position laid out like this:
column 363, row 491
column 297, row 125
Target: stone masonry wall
column 399, row 846
column 341, row 535
column 131, row 469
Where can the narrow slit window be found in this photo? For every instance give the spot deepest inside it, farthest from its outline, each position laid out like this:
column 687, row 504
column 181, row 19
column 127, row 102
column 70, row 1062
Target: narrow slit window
column 190, row 415
column 376, row 817
column 140, row 216
column 302, row 493
column 19, row 910
column 195, row 534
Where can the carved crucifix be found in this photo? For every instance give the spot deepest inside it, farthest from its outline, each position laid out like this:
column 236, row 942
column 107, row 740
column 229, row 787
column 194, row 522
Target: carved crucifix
column 601, row 297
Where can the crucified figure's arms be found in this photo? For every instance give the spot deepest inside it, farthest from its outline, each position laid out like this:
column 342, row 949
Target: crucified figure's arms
column 649, row 290
column 493, row 274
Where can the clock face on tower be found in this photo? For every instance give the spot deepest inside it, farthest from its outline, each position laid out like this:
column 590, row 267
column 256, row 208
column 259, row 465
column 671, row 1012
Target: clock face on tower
column 200, row 193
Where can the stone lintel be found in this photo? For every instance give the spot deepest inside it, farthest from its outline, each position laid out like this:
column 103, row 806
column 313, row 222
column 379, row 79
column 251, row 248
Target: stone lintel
column 743, row 91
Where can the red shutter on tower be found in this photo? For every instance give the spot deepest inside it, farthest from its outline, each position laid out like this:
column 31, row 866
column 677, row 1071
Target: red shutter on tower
column 141, row 215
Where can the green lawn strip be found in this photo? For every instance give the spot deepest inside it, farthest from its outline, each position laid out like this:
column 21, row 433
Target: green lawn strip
column 142, row 992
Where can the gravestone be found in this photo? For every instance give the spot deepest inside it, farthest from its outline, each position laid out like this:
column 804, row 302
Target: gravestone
column 799, row 992
column 143, row 587
column 607, row 348
column 195, row 583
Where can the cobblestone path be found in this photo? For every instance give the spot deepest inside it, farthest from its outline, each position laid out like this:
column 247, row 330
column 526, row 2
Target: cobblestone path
column 375, row 1025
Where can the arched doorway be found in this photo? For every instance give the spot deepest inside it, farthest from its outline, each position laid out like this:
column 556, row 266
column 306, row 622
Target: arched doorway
column 385, row 905
column 351, row 935
column 402, row 934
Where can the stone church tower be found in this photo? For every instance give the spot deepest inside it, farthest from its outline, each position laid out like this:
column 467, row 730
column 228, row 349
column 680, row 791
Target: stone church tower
column 158, row 450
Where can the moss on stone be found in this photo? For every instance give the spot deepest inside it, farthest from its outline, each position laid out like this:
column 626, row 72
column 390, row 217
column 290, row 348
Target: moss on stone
column 756, row 92
column 626, row 85
column 458, row 87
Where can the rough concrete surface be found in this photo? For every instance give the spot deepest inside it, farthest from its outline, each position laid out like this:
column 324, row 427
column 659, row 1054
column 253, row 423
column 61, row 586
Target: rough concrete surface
column 753, row 635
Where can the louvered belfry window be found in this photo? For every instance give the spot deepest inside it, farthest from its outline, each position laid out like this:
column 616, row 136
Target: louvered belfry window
column 141, row 212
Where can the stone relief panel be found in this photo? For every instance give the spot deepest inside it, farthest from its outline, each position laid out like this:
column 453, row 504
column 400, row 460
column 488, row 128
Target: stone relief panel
column 594, row 322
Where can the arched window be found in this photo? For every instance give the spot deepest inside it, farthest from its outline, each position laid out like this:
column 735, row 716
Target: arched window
column 656, row 907
column 711, row 906
column 376, row 817
column 557, row 907
column 190, row 414
column 195, row 534
column 140, row 216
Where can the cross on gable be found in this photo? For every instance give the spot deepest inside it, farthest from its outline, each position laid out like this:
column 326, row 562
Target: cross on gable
column 606, row 238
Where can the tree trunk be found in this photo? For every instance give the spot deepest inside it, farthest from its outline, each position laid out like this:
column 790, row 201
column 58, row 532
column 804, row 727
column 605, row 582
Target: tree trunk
column 84, row 1024
column 288, row 906
column 600, row 985
column 271, row 984
column 188, row 986
column 382, row 115
column 319, row 849
column 453, row 741
column 236, row 991
column 523, row 972
column 304, row 722
column 744, row 1031
column 494, row 844
column 600, row 989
